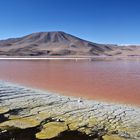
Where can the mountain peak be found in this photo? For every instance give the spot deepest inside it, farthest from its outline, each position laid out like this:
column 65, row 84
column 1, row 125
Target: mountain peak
column 57, row 43
column 49, row 37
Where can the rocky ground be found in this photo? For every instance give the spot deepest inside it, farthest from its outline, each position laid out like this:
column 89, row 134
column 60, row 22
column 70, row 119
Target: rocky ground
column 45, row 115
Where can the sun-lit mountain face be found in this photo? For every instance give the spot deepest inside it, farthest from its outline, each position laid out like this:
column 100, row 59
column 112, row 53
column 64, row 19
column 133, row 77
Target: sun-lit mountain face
column 60, row 44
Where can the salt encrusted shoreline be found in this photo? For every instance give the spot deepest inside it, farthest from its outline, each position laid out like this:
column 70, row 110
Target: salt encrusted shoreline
column 23, row 108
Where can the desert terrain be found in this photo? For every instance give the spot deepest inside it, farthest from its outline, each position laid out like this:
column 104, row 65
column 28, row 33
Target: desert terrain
column 54, row 44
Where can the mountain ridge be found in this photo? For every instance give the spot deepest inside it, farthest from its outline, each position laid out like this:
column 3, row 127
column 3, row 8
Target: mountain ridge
column 59, row 43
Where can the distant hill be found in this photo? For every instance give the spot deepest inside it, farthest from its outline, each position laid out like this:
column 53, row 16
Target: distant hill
column 47, row 44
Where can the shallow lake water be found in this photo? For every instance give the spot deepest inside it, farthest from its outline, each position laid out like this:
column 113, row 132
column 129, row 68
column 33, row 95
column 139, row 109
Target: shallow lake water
column 115, row 81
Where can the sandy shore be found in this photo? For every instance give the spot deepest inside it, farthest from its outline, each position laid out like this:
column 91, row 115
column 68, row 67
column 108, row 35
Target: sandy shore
column 80, row 57
column 22, row 108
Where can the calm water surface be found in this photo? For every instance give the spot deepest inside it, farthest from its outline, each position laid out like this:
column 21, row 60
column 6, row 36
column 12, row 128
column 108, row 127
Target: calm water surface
column 117, row 81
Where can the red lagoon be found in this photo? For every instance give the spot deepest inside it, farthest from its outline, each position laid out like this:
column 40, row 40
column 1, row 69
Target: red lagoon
column 115, row 81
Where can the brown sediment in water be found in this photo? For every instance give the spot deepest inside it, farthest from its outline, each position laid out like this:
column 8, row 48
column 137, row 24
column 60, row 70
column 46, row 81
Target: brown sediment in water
column 116, row 81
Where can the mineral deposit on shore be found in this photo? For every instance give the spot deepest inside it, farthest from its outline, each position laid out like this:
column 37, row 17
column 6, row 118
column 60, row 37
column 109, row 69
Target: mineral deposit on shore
column 22, row 108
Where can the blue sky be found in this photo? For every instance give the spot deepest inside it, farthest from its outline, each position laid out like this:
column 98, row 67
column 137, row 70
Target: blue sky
column 103, row 21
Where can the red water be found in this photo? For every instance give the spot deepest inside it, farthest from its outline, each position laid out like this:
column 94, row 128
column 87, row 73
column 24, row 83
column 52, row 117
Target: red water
column 117, row 81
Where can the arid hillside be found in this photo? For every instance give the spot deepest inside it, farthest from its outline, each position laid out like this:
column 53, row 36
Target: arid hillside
column 48, row 44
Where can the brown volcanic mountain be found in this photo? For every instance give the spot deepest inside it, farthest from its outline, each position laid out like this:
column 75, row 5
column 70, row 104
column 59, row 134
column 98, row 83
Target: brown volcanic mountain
column 60, row 44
